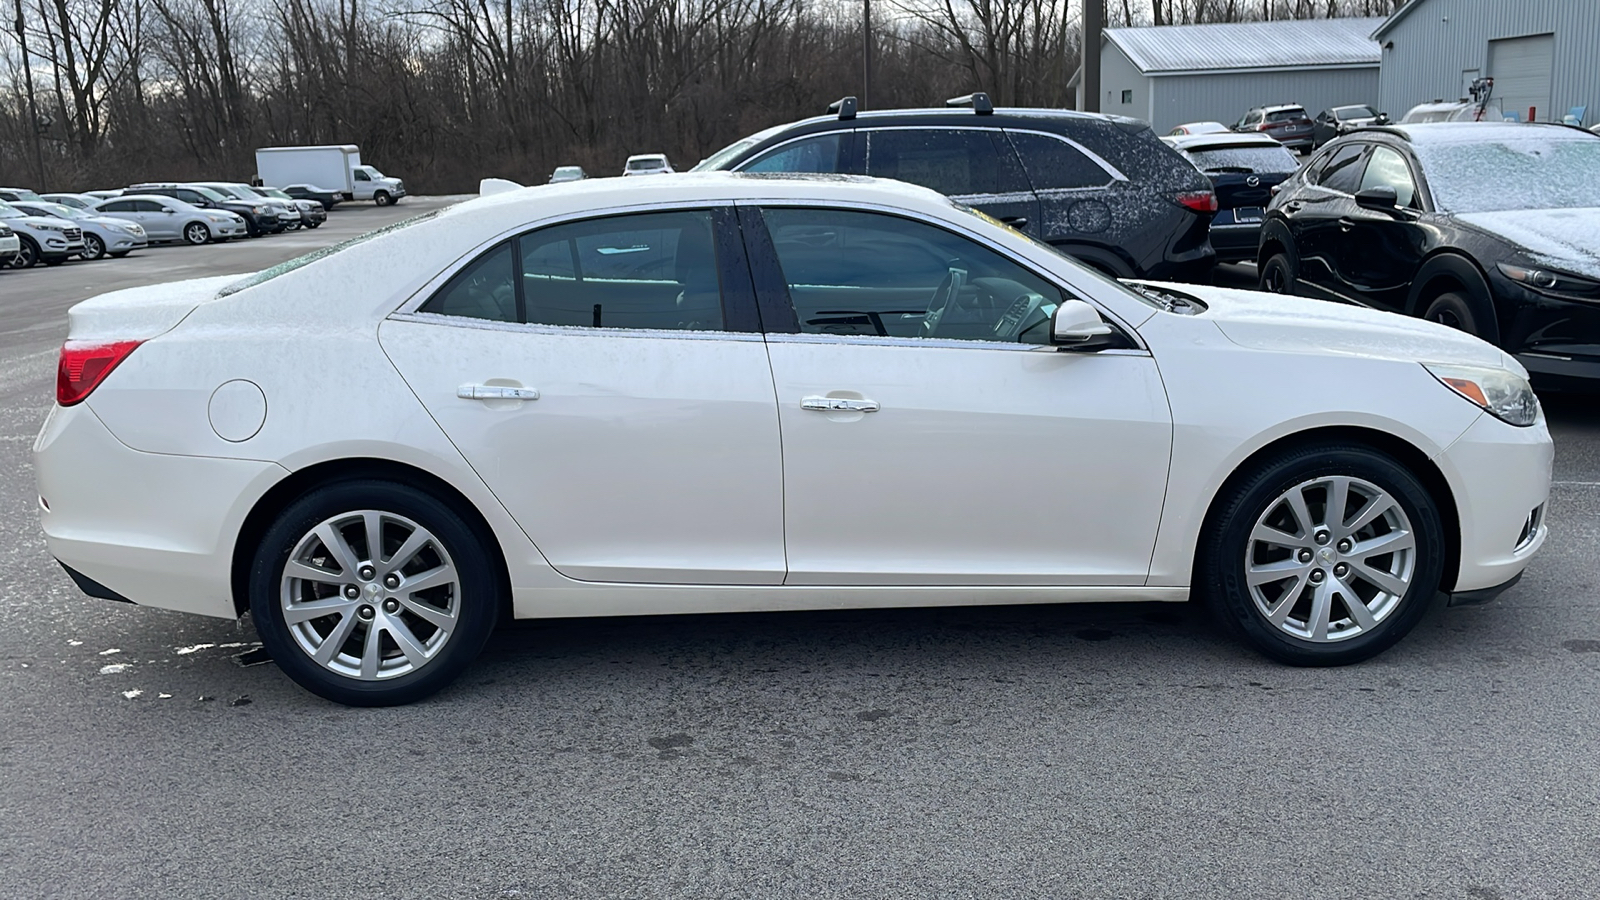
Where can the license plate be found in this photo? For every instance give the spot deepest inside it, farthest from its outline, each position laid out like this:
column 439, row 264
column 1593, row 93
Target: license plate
column 1247, row 214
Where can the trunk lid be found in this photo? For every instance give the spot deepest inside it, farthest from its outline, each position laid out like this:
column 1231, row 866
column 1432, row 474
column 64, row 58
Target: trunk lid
column 141, row 313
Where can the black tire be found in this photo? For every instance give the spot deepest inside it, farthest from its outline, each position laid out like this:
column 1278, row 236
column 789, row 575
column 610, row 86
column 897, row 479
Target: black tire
column 476, row 592
column 313, row 224
column 1227, row 544
column 382, row 198
column 93, row 247
column 27, row 254
column 292, row 226
column 196, row 233
column 1279, row 274
column 1458, row 311
column 53, row 261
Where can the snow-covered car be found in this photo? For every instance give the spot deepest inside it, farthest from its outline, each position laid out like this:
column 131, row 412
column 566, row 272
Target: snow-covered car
column 43, row 239
column 647, row 164
column 1198, row 128
column 728, row 392
column 102, row 235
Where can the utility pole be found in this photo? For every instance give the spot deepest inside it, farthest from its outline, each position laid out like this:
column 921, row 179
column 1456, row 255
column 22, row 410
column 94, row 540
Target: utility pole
column 33, row 110
column 866, row 52
column 1094, row 21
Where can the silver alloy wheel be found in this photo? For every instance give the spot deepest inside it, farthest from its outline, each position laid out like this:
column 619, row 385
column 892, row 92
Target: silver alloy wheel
column 196, row 233
column 1330, row 559
column 370, row 595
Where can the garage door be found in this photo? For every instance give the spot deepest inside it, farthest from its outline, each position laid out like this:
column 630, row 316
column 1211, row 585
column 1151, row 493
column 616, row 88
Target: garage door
column 1521, row 71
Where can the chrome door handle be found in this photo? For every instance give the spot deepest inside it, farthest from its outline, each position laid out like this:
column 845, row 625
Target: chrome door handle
column 839, row 404
column 496, row 392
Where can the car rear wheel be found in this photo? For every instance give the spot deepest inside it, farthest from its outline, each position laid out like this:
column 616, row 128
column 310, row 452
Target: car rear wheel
column 1279, row 274
column 93, row 247
column 1455, row 310
column 196, row 233
column 1324, row 555
column 27, row 255
column 372, row 593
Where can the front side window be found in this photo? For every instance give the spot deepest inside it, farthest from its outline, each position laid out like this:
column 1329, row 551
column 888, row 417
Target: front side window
column 1342, row 172
column 1054, row 164
column 814, row 155
column 650, row 270
column 954, row 162
column 360, row 175
column 864, row 273
column 1386, row 168
column 121, row 206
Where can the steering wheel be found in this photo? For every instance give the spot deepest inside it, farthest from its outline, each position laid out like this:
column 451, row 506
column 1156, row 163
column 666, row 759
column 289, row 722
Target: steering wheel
column 943, row 296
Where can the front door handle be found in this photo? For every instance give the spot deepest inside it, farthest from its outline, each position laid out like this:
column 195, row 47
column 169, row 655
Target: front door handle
column 839, row 404
column 1346, row 223
column 496, row 392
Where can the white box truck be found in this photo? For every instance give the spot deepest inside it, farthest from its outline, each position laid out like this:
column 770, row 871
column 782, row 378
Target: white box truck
column 334, row 167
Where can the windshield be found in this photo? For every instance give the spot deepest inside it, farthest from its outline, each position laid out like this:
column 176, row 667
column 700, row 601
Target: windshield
column 1355, row 112
column 274, row 192
column 60, row 211
column 1287, row 115
column 1249, row 159
column 371, row 172
column 212, row 194
column 302, row 261
column 721, row 158
column 1492, row 176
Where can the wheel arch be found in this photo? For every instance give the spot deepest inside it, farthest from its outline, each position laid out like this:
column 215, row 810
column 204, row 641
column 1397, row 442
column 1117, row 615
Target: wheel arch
column 1100, row 258
column 297, row 483
column 1447, row 269
column 1412, row 457
column 1275, row 239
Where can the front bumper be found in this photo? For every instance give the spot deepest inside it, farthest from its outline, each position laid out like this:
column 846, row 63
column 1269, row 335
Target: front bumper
column 152, row 528
column 1499, row 475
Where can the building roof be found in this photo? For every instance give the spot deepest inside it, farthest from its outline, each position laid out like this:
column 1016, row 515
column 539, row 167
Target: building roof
column 1394, row 18
column 1250, row 46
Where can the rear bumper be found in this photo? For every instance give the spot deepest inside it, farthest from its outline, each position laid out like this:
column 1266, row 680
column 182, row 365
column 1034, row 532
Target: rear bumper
column 1235, row 242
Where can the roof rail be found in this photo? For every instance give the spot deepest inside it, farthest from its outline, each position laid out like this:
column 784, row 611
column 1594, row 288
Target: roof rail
column 845, row 107
column 978, row 100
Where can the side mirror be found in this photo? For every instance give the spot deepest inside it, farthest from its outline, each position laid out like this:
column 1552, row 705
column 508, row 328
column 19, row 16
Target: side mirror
column 1381, row 198
column 1077, row 326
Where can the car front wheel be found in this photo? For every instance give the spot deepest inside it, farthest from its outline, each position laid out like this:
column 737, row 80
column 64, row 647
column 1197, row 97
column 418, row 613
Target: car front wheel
column 93, row 247
column 1278, row 275
column 372, row 593
column 196, row 233
column 382, row 198
column 1325, row 555
column 1455, row 310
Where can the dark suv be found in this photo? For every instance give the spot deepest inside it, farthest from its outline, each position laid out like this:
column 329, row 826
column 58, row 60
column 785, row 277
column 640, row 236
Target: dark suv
column 1491, row 228
column 1103, row 189
column 259, row 218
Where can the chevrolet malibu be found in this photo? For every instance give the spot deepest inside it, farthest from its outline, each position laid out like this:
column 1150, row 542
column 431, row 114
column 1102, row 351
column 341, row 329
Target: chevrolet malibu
column 727, row 392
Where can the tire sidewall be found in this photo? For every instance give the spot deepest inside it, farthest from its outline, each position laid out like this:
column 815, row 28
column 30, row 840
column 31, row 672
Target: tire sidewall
column 1462, row 306
column 1223, row 572
column 189, row 232
column 27, row 254
column 93, row 241
column 479, row 601
column 1291, row 275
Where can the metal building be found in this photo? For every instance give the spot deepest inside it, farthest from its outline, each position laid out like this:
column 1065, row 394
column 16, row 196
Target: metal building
column 1173, row 74
column 1543, row 55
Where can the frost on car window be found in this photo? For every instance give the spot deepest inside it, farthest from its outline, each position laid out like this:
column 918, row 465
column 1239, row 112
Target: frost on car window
column 1491, row 176
column 1250, row 159
column 265, row 275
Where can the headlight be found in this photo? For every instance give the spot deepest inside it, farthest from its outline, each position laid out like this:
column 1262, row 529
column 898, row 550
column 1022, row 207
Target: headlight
column 1545, row 280
column 259, row 210
column 1503, row 394
column 219, row 218
column 46, row 226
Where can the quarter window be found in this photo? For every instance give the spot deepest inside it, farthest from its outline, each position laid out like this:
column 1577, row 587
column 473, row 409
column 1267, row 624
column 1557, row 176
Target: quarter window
column 485, row 289
column 813, row 155
column 860, row 273
column 1054, row 164
column 1387, row 168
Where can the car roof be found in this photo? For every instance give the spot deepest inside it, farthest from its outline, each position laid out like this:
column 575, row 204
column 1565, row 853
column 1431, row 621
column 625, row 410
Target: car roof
column 1425, row 133
column 1221, row 139
column 159, row 198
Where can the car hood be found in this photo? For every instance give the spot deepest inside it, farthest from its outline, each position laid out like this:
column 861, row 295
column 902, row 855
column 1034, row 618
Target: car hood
column 40, row 220
column 1299, row 325
column 1565, row 239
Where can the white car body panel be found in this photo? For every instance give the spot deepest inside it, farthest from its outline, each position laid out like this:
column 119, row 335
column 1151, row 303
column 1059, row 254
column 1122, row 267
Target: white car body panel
column 1250, row 371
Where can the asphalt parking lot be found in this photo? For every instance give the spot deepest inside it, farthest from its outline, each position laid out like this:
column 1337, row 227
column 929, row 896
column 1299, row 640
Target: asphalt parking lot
column 1071, row 751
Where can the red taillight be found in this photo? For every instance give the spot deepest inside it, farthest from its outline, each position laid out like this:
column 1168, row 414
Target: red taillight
column 84, row 364
column 1199, row 201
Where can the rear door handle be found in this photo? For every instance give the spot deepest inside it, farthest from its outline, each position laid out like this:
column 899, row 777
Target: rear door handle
column 839, row 404
column 1346, row 223
column 1017, row 222
column 496, row 392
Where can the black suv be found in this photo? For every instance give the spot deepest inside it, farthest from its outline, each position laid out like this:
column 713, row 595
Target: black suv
column 1103, row 189
column 1491, row 228
column 259, row 218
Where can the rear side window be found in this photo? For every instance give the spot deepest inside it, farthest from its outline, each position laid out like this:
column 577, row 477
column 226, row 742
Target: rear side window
column 117, row 206
column 485, row 289
column 1054, row 164
column 814, row 155
column 1342, row 172
column 150, row 206
column 954, row 162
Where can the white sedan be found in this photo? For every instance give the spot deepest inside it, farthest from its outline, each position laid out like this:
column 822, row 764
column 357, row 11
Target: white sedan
column 721, row 392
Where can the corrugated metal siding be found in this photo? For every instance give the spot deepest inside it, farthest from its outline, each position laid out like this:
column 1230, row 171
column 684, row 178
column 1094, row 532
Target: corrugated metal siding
column 1439, row 40
column 1226, row 97
column 1249, row 45
column 1118, row 74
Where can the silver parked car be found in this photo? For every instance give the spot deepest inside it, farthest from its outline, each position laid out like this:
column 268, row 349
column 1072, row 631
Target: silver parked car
column 312, row 213
column 42, row 239
column 171, row 219
column 9, row 194
column 564, row 174
column 102, row 235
